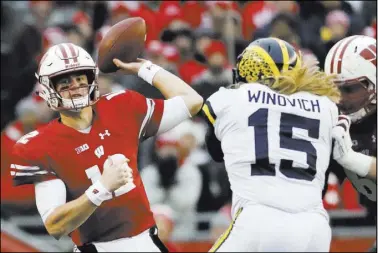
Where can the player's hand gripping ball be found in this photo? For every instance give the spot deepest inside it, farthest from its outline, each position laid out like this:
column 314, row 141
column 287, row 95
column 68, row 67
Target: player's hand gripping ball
column 124, row 41
column 116, row 172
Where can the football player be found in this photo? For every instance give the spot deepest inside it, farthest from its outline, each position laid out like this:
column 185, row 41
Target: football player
column 354, row 61
column 275, row 130
column 84, row 163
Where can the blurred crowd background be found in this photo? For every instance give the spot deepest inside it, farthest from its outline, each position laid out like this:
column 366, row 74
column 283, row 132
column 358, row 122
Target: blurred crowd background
column 198, row 41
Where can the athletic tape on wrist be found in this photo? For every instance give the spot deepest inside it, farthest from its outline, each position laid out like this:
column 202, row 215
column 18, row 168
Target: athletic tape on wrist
column 147, row 71
column 97, row 193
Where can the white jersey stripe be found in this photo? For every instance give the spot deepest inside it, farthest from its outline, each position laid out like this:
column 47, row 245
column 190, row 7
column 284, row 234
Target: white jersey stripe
column 150, row 111
column 21, row 167
column 16, row 173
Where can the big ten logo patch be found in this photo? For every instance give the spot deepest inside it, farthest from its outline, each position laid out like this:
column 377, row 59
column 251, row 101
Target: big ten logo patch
column 82, row 148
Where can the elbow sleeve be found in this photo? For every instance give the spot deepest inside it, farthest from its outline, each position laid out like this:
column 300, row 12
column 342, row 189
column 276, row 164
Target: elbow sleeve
column 175, row 112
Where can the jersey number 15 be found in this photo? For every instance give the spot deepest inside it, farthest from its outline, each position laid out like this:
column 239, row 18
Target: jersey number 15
column 263, row 167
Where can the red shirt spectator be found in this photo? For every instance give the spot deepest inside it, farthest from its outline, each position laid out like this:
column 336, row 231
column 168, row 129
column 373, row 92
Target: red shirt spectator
column 193, row 12
column 189, row 70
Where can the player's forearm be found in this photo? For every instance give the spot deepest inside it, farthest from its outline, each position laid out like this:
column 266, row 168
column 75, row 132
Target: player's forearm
column 66, row 218
column 363, row 165
column 171, row 86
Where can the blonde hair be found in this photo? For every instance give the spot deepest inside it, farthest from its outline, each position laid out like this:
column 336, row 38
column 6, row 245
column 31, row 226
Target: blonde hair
column 304, row 79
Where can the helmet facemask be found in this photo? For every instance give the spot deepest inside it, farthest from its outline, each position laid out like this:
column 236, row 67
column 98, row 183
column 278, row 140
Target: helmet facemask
column 359, row 98
column 58, row 103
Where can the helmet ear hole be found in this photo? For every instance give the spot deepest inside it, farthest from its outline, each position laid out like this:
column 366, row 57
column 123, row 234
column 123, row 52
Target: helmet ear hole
column 54, row 81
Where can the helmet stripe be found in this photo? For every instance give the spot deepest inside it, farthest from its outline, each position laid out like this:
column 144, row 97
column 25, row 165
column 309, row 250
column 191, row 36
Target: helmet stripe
column 298, row 59
column 273, row 48
column 342, row 53
column 73, row 53
column 334, row 56
column 64, row 54
column 267, row 59
column 285, row 54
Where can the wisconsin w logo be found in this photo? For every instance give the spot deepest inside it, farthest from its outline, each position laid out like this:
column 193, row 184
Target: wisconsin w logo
column 99, row 151
column 370, row 54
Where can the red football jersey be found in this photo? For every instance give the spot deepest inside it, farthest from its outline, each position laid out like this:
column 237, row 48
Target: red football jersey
column 9, row 137
column 23, row 195
column 121, row 119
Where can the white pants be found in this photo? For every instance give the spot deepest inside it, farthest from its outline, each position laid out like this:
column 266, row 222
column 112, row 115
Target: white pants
column 138, row 243
column 258, row 228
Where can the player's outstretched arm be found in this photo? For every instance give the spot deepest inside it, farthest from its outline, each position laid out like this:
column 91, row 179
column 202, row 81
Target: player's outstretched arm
column 361, row 164
column 167, row 83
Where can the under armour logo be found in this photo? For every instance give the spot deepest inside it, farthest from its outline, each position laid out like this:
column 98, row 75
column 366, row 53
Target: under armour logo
column 99, row 151
column 104, row 134
column 373, row 138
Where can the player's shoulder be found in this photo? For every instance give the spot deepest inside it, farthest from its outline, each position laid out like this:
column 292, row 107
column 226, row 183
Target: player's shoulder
column 114, row 96
column 13, row 131
column 220, row 98
column 320, row 104
column 331, row 107
column 231, row 94
column 214, row 105
column 122, row 97
column 220, row 101
column 35, row 141
column 330, row 103
column 223, row 94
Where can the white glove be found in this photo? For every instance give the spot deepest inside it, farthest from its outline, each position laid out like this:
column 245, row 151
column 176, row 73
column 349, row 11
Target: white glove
column 343, row 152
column 342, row 140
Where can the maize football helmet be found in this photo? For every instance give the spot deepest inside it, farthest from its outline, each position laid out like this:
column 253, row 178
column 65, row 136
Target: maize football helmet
column 265, row 58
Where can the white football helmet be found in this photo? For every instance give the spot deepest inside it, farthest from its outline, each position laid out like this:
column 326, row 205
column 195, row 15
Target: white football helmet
column 62, row 59
column 354, row 61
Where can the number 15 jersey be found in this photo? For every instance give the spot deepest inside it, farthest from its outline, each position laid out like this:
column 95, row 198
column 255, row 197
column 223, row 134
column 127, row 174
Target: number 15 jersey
column 276, row 147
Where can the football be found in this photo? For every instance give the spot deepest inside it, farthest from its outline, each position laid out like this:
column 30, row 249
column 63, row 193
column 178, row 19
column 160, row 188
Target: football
column 124, row 41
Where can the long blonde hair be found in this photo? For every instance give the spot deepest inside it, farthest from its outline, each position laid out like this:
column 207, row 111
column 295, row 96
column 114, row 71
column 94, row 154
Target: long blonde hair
column 305, row 79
